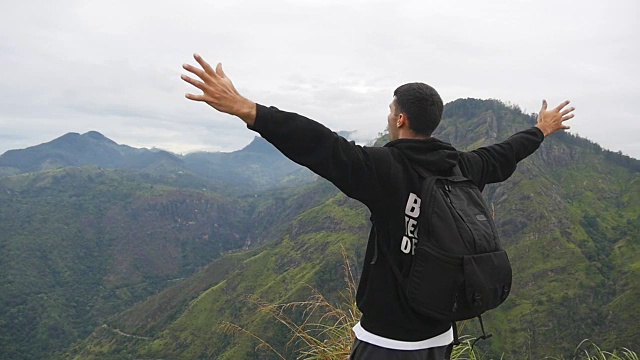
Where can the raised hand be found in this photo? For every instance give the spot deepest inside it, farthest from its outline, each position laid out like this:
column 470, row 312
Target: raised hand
column 550, row 121
column 218, row 91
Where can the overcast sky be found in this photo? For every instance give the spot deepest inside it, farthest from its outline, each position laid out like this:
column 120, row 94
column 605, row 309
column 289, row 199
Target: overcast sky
column 114, row 66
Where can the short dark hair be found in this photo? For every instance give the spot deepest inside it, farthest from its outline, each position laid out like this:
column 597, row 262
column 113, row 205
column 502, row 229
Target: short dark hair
column 422, row 105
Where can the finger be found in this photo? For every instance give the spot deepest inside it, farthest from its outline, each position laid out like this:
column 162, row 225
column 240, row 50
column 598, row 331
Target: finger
column 567, row 117
column 544, row 105
column 562, row 105
column 205, row 65
column 195, row 97
column 219, row 70
column 566, row 111
column 198, row 72
column 199, row 84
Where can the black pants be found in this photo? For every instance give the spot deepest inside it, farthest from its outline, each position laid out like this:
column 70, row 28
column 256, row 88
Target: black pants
column 365, row 351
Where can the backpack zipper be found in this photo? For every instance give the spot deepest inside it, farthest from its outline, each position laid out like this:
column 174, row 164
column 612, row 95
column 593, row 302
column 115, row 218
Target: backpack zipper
column 447, row 189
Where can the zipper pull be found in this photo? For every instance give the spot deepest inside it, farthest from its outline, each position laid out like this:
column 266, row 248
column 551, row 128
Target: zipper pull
column 446, row 193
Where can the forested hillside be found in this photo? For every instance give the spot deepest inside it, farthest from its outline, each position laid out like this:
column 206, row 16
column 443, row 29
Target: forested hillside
column 152, row 262
column 568, row 217
column 79, row 244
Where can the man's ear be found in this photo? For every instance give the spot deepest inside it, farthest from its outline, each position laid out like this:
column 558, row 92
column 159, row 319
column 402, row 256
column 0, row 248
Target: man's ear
column 402, row 120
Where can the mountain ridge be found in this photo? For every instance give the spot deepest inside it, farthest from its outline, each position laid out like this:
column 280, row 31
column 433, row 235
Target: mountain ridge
column 94, row 149
column 74, row 149
column 567, row 218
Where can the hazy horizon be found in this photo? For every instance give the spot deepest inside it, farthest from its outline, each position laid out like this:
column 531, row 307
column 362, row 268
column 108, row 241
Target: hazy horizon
column 114, row 67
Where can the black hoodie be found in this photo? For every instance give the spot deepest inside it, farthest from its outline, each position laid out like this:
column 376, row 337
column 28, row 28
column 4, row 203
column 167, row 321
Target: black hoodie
column 382, row 178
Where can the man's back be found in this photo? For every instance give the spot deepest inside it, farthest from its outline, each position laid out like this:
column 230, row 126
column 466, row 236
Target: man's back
column 384, row 180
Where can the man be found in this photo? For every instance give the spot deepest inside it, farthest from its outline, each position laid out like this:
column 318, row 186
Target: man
column 382, row 178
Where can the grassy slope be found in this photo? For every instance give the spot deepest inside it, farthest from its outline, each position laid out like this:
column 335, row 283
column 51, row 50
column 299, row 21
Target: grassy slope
column 557, row 217
column 568, row 218
column 309, row 255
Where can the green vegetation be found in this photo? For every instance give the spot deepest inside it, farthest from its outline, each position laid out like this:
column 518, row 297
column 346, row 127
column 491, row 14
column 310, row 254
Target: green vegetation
column 153, row 263
column 324, row 329
column 588, row 350
column 78, row 245
column 278, row 274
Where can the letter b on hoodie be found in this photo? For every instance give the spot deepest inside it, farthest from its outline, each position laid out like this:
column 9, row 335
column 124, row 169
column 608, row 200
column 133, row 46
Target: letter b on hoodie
column 413, row 206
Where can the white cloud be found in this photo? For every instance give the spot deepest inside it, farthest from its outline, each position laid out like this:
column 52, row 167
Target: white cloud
column 113, row 66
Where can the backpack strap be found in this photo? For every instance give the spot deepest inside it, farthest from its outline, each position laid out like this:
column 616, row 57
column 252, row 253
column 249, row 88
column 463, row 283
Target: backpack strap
column 484, row 334
column 429, row 180
column 424, row 173
column 456, row 339
column 456, row 171
column 373, row 236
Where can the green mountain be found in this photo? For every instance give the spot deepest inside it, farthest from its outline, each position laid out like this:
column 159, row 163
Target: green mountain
column 569, row 218
column 258, row 166
column 80, row 244
column 309, row 254
column 73, row 149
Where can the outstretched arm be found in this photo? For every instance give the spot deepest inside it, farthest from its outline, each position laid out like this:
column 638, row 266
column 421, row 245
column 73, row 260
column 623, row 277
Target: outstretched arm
column 349, row 166
column 218, row 91
column 497, row 162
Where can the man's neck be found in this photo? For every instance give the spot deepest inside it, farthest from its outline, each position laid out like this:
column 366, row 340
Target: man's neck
column 412, row 135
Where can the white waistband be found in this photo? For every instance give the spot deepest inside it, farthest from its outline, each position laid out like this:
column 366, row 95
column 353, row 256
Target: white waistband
column 443, row 339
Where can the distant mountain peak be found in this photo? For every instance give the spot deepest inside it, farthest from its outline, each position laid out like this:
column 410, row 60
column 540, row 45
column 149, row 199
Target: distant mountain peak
column 69, row 135
column 91, row 148
column 75, row 137
column 94, row 135
column 98, row 136
column 260, row 145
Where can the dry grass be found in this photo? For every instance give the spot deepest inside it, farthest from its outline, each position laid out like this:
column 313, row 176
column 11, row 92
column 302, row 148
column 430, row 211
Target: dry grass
column 324, row 333
column 588, row 350
column 325, row 329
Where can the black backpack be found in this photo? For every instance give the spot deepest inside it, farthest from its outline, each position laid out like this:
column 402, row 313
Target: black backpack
column 459, row 269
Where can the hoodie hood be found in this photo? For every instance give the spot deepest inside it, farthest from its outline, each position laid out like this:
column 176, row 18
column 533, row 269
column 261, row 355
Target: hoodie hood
column 432, row 154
